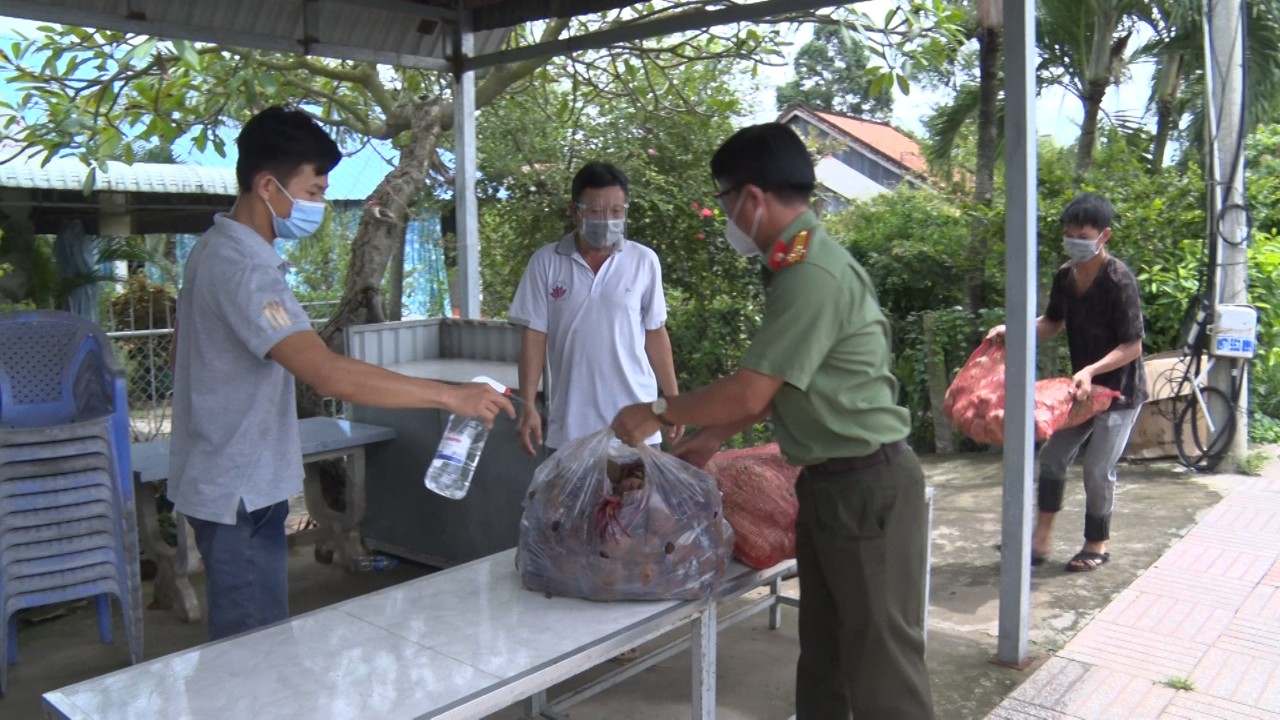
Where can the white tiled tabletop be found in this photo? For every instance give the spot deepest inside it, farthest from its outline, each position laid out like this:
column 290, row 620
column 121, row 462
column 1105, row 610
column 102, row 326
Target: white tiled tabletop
column 403, row 652
column 320, row 665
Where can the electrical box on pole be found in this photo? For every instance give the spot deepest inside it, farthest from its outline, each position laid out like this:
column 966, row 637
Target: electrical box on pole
column 1228, row 214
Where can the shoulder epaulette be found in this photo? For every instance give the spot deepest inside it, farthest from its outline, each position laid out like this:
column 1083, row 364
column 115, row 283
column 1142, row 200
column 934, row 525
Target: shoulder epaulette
column 785, row 254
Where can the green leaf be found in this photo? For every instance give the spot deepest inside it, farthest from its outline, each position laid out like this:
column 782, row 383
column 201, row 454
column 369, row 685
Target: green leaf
column 90, row 179
column 187, row 52
column 904, row 85
column 109, row 146
column 879, row 83
column 141, row 51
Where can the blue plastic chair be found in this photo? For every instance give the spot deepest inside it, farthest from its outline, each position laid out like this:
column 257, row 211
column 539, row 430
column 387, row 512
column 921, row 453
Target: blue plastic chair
column 67, row 524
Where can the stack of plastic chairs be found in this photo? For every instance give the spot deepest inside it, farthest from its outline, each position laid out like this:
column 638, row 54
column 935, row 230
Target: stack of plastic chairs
column 67, row 525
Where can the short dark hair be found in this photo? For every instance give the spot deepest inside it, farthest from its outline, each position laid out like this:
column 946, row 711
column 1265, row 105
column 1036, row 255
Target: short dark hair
column 770, row 156
column 596, row 175
column 281, row 141
column 1089, row 210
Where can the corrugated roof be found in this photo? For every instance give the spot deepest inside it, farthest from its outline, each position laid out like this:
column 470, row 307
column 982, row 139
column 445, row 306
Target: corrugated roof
column 399, row 32
column 68, row 174
column 353, row 179
column 882, row 137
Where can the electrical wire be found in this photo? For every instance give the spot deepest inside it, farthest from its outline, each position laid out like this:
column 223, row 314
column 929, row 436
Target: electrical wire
column 1222, row 185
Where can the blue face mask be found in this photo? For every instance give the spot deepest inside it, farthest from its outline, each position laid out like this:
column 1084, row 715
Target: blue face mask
column 304, row 219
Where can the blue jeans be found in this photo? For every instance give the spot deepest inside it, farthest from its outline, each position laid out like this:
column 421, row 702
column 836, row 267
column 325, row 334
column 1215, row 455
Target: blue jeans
column 246, row 566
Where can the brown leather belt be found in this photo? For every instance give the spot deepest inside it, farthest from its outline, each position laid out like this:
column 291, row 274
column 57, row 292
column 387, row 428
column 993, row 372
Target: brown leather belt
column 842, row 466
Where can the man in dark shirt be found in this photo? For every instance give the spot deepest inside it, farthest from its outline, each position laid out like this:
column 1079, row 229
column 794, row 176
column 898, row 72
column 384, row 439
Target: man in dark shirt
column 1095, row 298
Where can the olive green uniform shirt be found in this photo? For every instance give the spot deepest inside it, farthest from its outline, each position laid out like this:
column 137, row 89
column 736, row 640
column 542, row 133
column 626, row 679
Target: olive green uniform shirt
column 825, row 336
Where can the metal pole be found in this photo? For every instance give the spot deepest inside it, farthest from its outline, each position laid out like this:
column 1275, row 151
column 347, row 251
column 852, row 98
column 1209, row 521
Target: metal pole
column 464, row 173
column 1227, row 222
column 1020, row 304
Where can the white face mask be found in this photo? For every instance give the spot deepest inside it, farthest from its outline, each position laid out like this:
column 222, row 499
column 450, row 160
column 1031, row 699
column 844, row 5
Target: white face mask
column 1080, row 250
column 602, row 234
column 743, row 242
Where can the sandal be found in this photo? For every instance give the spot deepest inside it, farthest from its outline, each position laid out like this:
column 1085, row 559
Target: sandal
column 1087, row 561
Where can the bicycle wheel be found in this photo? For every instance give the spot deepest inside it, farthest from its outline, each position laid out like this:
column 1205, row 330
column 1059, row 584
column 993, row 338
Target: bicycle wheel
column 1204, row 432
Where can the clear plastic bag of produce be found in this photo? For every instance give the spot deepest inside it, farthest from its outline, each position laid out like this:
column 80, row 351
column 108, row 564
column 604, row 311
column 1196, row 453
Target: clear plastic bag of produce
column 606, row 522
column 759, row 488
column 975, row 400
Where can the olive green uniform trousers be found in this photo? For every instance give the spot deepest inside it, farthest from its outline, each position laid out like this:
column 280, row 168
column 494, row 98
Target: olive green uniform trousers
column 860, row 549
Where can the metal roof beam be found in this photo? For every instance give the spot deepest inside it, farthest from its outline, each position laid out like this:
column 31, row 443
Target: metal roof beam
column 402, row 7
column 645, row 30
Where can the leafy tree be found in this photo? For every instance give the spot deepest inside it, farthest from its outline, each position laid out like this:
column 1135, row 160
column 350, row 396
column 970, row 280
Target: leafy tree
column 533, row 142
column 831, row 75
column 1084, row 48
column 977, row 104
column 1178, row 89
column 91, row 92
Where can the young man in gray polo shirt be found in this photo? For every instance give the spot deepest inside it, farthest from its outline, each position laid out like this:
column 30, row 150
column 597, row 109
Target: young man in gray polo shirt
column 235, row 453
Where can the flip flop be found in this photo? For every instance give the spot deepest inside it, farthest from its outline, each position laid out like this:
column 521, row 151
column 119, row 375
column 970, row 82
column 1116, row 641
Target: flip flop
column 1086, row 561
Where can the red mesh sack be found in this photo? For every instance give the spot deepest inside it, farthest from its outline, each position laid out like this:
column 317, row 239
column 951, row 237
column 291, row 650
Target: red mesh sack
column 760, row 503
column 975, row 400
column 1058, row 393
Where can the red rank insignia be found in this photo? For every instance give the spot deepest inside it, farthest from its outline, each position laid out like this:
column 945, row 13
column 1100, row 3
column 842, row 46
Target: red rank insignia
column 784, row 254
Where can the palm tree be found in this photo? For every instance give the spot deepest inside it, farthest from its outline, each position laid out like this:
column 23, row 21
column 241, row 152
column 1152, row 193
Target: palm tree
column 1084, row 46
column 1179, row 89
column 978, row 99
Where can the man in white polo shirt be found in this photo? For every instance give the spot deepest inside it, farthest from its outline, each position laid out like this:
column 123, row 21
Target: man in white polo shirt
column 593, row 310
column 235, row 456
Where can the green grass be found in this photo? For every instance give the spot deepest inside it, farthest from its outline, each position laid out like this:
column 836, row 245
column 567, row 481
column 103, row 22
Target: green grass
column 1255, row 462
column 1180, row 683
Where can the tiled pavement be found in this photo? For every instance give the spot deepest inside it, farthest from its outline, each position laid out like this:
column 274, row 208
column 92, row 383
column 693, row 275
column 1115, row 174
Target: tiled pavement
column 1205, row 616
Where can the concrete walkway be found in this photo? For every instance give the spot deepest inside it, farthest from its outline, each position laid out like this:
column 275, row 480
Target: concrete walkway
column 1195, row 636
column 1156, row 506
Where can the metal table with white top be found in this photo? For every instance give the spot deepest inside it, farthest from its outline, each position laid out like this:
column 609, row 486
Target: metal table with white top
column 337, row 532
column 462, row 643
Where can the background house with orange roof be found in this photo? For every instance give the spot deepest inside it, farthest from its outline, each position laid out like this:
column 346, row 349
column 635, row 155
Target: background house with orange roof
column 860, row 158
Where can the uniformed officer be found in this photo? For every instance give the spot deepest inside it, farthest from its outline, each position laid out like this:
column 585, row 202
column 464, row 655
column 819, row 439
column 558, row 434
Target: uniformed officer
column 819, row 366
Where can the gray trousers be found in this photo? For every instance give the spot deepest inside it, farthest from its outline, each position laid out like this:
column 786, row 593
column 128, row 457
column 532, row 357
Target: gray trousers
column 1107, row 434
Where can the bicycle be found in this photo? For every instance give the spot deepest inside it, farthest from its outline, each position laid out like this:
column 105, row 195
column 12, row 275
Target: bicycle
column 1205, row 424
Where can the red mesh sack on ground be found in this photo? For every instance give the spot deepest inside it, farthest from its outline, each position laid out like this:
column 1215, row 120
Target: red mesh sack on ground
column 759, row 502
column 975, row 400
